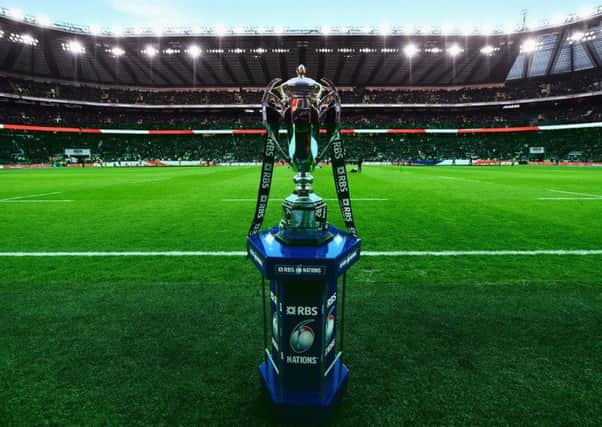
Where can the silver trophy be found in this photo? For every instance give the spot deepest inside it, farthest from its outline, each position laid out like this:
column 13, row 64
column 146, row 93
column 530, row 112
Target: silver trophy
column 302, row 105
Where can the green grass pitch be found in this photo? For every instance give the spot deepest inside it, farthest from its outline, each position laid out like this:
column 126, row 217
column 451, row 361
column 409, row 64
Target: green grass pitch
column 461, row 340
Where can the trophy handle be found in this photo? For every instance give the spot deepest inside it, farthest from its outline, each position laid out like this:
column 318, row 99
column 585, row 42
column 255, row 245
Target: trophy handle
column 273, row 110
column 330, row 114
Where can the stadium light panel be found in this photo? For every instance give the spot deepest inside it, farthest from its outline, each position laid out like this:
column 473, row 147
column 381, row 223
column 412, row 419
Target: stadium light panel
column 116, row 51
column 279, row 29
column 454, row 50
column 529, row 46
column 410, row 50
column 487, row 50
column 325, row 30
column 16, row 14
column 194, row 51
column 150, row 51
column 75, row 47
column 43, row 21
column 577, row 36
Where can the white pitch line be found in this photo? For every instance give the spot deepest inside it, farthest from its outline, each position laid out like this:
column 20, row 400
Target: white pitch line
column 570, row 198
column 36, row 201
column 536, row 252
column 29, row 196
column 577, row 194
column 329, row 200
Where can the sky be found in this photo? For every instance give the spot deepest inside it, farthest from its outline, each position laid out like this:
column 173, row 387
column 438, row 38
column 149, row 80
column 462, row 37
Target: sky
column 297, row 14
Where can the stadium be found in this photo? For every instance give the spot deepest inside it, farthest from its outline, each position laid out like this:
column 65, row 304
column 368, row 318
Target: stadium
column 129, row 164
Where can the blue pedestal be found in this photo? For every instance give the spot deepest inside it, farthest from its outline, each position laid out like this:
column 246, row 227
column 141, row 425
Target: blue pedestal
column 303, row 372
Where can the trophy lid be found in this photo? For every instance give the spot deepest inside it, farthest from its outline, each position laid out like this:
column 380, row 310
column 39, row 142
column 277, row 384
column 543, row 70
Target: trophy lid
column 301, row 86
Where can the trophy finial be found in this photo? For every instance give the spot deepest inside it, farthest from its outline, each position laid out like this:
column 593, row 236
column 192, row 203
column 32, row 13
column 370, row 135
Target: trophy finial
column 301, row 71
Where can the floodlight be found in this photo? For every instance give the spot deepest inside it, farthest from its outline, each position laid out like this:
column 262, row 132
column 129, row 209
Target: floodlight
column 27, row 39
column 278, row 29
column 410, row 50
column 194, row 51
column 529, row 46
column 116, row 51
column 577, row 36
column 487, row 50
column 150, row 51
column 454, row 50
column 75, row 47
column 325, row 30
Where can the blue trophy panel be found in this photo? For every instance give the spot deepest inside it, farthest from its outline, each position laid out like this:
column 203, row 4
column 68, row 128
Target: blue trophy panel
column 303, row 372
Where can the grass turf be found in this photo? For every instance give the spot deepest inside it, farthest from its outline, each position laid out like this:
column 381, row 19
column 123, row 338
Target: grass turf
column 468, row 340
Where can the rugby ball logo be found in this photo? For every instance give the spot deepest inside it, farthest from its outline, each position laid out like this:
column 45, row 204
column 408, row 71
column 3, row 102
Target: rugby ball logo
column 302, row 337
column 330, row 324
column 275, row 325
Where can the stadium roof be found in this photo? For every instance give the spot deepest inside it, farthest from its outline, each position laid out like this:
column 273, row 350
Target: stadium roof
column 250, row 57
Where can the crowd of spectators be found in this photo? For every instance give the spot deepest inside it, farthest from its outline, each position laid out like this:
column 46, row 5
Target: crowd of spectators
column 40, row 147
column 569, row 111
column 523, row 89
column 585, row 145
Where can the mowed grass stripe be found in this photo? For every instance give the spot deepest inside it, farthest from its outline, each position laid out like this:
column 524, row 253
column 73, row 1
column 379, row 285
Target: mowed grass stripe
column 477, row 210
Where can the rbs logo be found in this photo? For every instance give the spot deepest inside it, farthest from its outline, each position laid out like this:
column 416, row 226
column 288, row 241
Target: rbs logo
column 301, row 311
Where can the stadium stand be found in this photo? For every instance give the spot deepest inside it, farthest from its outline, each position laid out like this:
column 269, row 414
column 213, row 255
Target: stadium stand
column 64, row 76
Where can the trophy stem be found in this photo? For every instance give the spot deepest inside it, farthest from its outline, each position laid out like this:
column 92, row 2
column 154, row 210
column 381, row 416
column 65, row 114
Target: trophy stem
column 304, row 221
column 303, row 183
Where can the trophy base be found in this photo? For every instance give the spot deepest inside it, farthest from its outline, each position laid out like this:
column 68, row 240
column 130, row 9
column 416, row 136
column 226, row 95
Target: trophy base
column 299, row 238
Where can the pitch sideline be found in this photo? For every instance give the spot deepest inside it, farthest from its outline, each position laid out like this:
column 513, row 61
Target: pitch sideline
column 536, row 252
